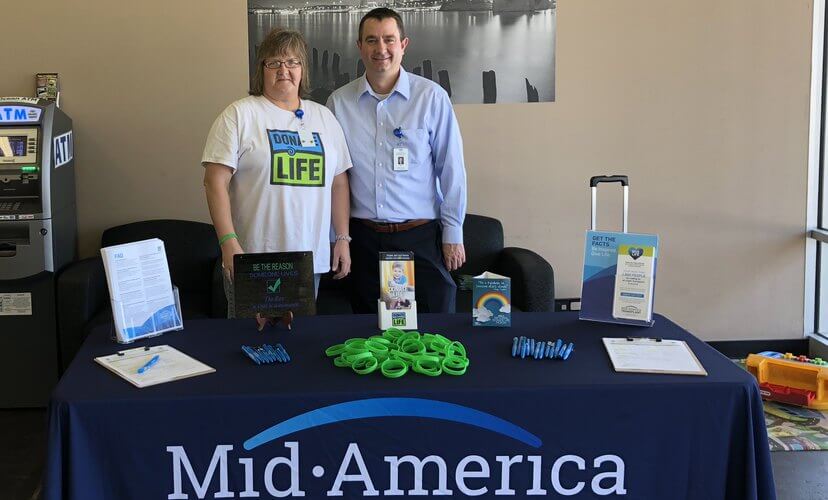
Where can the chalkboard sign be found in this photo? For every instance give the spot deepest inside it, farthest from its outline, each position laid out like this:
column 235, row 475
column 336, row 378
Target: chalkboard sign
column 273, row 283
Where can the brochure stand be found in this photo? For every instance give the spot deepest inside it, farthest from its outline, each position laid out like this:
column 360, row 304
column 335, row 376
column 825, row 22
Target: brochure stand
column 404, row 319
column 396, row 270
column 113, row 334
column 619, row 269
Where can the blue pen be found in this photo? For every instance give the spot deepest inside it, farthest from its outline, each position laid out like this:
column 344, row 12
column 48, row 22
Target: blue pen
column 149, row 364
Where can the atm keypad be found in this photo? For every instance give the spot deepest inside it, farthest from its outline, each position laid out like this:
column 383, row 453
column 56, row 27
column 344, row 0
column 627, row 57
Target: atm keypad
column 9, row 206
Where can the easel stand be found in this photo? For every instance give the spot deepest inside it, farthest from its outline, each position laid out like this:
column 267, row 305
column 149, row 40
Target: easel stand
column 404, row 319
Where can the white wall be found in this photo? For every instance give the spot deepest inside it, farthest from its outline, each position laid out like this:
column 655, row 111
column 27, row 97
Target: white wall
column 703, row 103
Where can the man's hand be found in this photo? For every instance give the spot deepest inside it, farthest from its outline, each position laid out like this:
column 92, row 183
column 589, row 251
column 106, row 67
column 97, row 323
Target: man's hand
column 454, row 255
column 341, row 264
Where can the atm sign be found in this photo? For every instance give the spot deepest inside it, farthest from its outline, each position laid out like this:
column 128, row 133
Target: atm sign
column 15, row 114
column 63, row 149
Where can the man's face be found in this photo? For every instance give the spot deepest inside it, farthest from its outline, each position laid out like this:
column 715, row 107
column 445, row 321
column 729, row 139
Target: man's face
column 380, row 47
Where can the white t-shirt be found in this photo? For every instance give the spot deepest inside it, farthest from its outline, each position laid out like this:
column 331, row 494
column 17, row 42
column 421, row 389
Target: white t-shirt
column 280, row 192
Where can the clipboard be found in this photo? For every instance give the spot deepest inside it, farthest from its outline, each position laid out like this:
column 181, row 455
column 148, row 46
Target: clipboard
column 171, row 364
column 646, row 355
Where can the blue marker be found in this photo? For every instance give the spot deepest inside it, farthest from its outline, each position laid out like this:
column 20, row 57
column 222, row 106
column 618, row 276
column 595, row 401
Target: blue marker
column 281, row 348
column 149, row 364
column 299, row 113
column 568, row 351
column 398, row 133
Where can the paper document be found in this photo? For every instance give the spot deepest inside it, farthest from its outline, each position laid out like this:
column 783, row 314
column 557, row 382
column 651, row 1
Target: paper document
column 653, row 356
column 171, row 364
column 143, row 302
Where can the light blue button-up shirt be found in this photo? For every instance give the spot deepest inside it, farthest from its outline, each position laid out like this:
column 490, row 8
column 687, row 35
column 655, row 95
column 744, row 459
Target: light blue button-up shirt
column 434, row 186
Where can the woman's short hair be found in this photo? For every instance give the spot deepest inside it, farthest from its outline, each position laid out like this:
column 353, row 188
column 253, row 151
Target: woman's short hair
column 281, row 43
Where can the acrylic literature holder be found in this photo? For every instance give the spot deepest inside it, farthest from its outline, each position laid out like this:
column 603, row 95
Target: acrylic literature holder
column 396, row 306
column 404, row 319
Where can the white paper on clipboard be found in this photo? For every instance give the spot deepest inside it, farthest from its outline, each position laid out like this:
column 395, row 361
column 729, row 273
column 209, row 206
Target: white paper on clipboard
column 172, row 365
column 644, row 355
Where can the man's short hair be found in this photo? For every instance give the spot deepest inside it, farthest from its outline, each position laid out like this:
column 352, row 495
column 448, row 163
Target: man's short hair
column 379, row 14
column 397, row 265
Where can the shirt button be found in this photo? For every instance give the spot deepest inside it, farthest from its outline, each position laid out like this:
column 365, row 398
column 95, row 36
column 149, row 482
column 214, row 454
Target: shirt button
column 380, row 143
column 380, row 164
column 379, row 185
column 380, row 205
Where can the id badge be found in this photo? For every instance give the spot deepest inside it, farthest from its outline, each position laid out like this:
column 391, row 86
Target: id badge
column 307, row 138
column 400, row 159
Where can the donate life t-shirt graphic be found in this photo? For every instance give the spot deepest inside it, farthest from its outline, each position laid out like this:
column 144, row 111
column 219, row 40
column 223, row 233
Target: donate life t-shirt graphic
column 294, row 164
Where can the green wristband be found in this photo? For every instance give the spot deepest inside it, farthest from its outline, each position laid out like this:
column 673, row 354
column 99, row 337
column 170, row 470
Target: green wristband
column 364, row 366
column 335, row 350
column 428, row 365
column 393, row 368
column 228, row 236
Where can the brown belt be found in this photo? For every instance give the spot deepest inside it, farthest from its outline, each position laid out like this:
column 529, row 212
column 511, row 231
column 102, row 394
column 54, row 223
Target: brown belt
column 394, row 227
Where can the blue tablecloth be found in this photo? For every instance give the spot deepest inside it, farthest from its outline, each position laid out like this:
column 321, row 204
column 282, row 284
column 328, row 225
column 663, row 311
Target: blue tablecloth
column 509, row 427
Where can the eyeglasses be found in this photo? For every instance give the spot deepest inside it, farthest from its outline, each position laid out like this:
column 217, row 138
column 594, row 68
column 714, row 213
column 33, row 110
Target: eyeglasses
column 289, row 64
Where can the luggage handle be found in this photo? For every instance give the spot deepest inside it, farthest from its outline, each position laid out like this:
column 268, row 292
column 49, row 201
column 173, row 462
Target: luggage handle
column 600, row 179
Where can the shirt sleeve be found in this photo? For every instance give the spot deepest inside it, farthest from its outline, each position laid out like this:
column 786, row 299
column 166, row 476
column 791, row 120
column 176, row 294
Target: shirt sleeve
column 447, row 149
column 223, row 140
column 342, row 148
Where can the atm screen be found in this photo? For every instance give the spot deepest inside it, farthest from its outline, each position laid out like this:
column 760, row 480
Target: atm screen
column 14, row 145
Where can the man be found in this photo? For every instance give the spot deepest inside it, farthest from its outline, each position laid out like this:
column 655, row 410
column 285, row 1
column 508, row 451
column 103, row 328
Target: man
column 408, row 182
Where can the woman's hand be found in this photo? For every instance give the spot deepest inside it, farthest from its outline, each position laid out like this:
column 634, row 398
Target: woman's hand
column 341, row 261
column 229, row 248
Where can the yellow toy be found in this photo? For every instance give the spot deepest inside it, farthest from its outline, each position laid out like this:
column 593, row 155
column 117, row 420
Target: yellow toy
column 791, row 379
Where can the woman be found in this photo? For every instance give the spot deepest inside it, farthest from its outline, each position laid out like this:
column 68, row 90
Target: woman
column 275, row 167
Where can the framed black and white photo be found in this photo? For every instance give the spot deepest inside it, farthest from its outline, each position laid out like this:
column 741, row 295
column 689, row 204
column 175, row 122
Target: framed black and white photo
column 480, row 51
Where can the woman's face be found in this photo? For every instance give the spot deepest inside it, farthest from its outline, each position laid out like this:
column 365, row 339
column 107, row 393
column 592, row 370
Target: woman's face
column 281, row 82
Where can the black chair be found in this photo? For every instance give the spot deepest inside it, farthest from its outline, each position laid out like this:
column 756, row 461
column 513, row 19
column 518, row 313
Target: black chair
column 194, row 259
column 533, row 280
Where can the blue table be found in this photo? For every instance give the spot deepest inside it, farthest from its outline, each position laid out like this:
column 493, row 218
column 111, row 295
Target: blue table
column 509, row 427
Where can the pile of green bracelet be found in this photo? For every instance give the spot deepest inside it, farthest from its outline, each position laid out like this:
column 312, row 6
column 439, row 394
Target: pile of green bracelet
column 395, row 352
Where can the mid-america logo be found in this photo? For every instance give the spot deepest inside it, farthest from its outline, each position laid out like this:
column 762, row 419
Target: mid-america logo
column 403, row 475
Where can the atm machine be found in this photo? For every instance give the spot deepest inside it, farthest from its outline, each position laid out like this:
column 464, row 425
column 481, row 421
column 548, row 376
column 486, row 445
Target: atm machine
column 38, row 236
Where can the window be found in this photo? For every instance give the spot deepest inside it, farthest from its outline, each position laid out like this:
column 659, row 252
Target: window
column 816, row 260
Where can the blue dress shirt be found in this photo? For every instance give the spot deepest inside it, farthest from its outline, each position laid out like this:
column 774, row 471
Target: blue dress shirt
column 434, row 186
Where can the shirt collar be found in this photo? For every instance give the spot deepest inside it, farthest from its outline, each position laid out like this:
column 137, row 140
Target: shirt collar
column 402, row 87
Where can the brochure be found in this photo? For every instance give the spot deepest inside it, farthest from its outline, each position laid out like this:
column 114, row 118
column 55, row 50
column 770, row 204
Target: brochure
column 634, row 283
column 492, row 300
column 397, row 279
column 142, row 296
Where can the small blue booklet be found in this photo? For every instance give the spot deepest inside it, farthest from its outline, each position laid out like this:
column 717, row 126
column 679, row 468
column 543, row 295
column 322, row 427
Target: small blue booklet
column 491, row 300
column 619, row 277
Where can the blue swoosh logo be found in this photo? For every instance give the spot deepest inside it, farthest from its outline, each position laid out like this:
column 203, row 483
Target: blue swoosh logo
column 393, row 407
